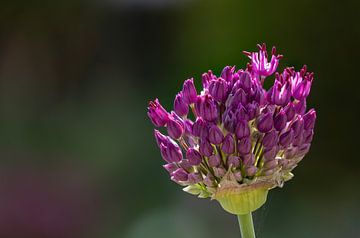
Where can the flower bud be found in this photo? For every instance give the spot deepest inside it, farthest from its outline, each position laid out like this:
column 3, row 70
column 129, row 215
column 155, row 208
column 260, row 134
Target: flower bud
column 209, row 180
column 242, row 129
column 270, row 164
column 175, row 128
column 179, row 175
column 228, row 145
column 308, row 136
column 180, row 106
column 252, row 110
column 219, row 89
column 227, row 73
column 215, row 135
column 281, row 93
column 157, row 114
column 233, row 161
column 171, row 152
column 193, row 156
column 290, row 111
column 297, row 125
column 205, row 148
column 248, row 160
column 239, row 97
column 270, row 139
column 189, row 91
column 205, row 107
column 200, row 128
column 251, row 171
column 280, row 121
column 214, row 160
column 309, row 119
column 171, row 167
column 160, row 138
column 270, row 153
column 230, row 120
column 219, row 172
column 238, row 175
column 286, row 138
column 300, row 107
column 302, row 89
column 244, row 146
column 241, row 113
column 194, row 178
column 265, row 122
column 245, row 80
column 185, row 164
column 188, row 125
column 207, row 78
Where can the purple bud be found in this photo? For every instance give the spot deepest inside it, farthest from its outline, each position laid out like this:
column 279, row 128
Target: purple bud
column 200, row 128
column 309, row 119
column 171, row 152
column 251, row 171
column 252, row 110
column 188, row 125
column 205, row 107
column 206, row 148
column 215, row 135
column 171, row 167
column 290, row 111
column 241, row 113
column 230, row 120
column 175, row 128
column 233, row 161
column 219, row 172
column 245, row 79
column 239, row 97
column 280, row 121
column 209, row 180
column 206, row 78
column 228, row 145
column 157, row 114
column 180, row 106
column 214, row 160
column 179, row 175
column 185, row 164
column 271, row 153
column 193, row 156
column 286, row 138
column 300, row 107
column 249, row 160
column 219, row 89
column 302, row 89
column 189, row 91
column 270, row 164
column 194, row 178
column 244, row 146
column 160, row 138
column 297, row 125
column 308, row 136
column 270, row 139
column 265, row 122
column 238, row 175
column 281, row 93
column 298, row 140
column 227, row 73
column 242, row 129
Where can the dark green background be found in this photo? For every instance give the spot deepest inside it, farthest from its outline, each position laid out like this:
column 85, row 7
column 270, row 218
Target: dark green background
column 78, row 158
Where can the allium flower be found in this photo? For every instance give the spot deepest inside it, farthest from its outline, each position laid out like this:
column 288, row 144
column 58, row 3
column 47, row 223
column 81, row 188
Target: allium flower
column 244, row 139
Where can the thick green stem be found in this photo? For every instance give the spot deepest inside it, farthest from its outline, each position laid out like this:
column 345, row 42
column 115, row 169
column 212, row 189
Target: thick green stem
column 246, row 226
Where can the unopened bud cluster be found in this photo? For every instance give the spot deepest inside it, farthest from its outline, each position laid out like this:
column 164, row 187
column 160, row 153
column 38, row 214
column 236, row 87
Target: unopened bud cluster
column 236, row 127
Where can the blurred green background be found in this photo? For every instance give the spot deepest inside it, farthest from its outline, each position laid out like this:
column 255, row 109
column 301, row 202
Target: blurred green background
column 78, row 158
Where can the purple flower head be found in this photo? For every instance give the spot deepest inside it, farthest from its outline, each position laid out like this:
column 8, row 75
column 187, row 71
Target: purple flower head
column 237, row 129
column 157, row 114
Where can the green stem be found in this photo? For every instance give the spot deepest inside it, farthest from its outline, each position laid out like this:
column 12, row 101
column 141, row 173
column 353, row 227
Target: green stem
column 246, row 226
